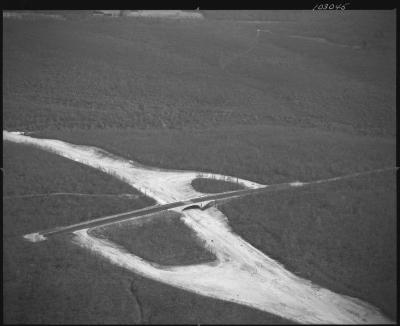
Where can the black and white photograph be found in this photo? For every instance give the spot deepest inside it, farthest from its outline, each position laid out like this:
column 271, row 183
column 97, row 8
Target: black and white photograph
column 199, row 166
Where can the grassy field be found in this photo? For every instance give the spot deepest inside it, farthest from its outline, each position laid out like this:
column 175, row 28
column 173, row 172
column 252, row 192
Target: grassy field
column 209, row 96
column 341, row 235
column 162, row 239
column 214, row 186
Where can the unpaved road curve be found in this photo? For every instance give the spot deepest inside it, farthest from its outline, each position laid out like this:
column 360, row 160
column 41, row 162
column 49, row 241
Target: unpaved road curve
column 241, row 274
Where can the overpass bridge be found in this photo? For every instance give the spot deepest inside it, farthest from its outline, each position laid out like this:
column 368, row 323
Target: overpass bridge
column 202, row 202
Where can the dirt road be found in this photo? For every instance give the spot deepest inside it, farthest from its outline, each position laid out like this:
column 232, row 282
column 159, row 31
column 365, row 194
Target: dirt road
column 241, row 274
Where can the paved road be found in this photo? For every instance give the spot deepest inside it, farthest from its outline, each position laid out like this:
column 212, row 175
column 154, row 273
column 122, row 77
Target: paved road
column 145, row 212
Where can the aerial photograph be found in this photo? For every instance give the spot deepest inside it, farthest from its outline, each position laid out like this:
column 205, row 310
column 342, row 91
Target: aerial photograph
column 199, row 166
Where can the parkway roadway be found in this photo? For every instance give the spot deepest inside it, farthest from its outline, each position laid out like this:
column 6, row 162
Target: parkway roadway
column 202, row 202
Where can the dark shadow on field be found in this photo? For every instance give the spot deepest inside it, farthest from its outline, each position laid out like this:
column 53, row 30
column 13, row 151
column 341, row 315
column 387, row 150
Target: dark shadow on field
column 195, row 206
column 213, row 186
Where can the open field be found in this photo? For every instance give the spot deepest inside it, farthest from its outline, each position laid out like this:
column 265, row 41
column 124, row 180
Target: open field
column 163, row 239
column 309, row 96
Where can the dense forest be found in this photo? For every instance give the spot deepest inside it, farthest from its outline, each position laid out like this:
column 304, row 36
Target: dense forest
column 341, row 235
column 96, row 73
column 266, row 96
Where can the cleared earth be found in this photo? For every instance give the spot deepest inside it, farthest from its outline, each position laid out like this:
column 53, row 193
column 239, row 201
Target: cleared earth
column 241, row 274
column 267, row 96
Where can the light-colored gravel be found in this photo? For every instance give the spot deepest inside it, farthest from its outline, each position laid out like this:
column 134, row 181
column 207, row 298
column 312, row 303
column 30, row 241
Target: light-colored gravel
column 241, row 274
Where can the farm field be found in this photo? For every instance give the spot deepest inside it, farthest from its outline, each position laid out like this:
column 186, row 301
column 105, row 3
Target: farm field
column 309, row 96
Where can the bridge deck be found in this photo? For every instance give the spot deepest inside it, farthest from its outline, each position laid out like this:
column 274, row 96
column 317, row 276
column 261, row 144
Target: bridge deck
column 207, row 198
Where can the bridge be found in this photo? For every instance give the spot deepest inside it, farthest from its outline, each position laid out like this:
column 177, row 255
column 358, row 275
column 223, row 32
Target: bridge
column 202, row 203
